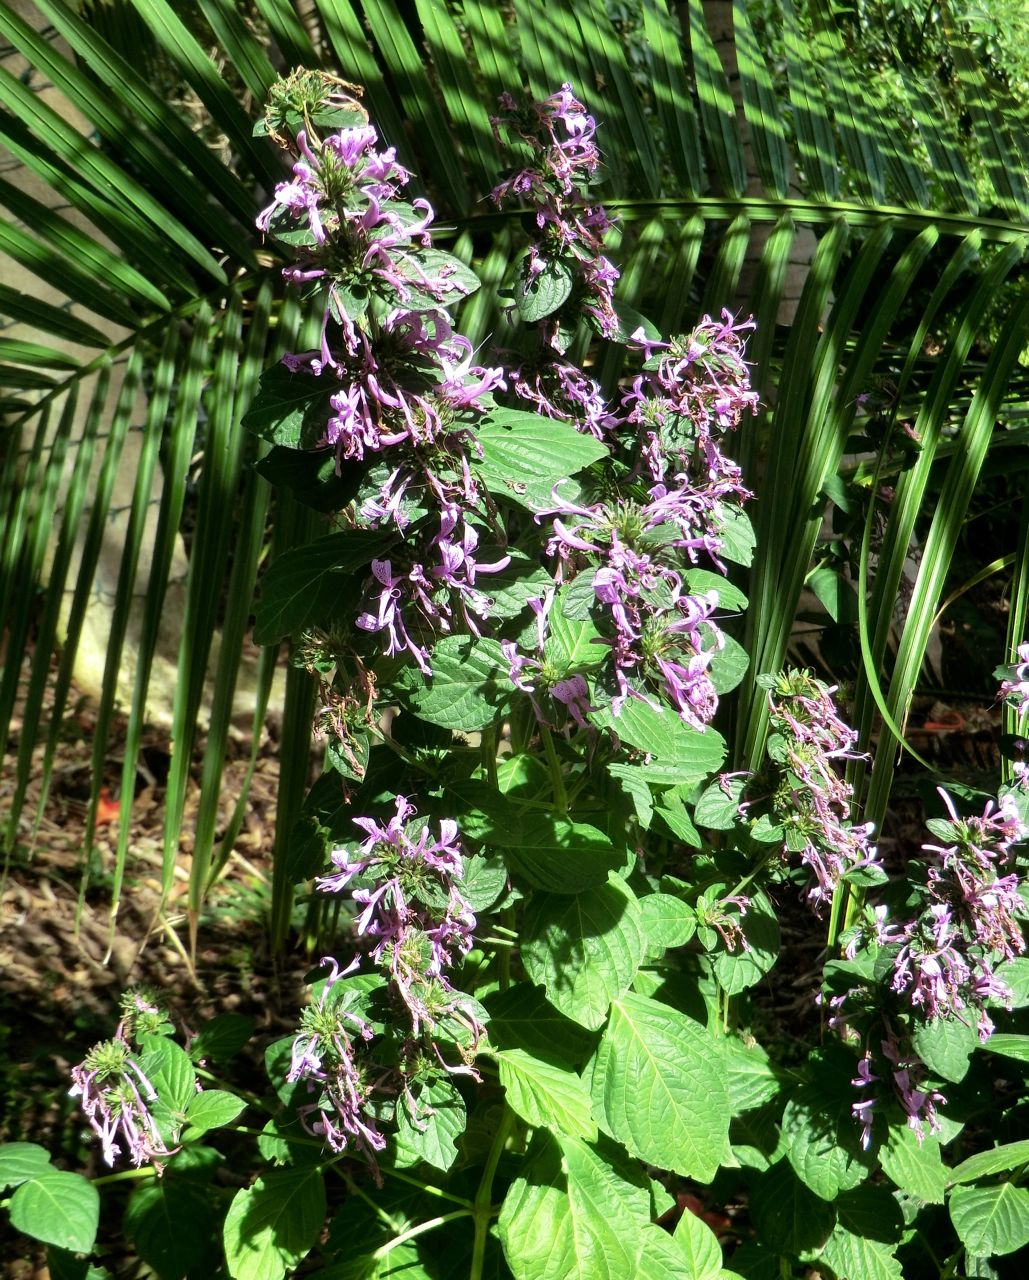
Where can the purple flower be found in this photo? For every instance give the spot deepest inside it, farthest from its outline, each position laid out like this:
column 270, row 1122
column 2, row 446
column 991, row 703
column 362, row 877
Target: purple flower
column 116, row 1097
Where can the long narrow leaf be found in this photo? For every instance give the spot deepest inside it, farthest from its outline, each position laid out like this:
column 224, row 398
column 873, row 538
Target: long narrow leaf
column 717, row 109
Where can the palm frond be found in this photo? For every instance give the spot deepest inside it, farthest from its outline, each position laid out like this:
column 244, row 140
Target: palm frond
column 815, row 200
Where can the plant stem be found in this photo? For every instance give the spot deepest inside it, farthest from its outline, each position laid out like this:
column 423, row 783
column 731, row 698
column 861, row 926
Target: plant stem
column 124, row 1175
column 557, row 778
column 420, row 1229
column 483, row 1208
column 428, row 1188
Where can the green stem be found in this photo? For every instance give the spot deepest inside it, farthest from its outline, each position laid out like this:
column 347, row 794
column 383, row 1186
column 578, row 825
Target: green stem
column 419, row 1230
column 124, row 1175
column 557, row 778
column 483, row 1208
column 428, row 1188
column 489, row 753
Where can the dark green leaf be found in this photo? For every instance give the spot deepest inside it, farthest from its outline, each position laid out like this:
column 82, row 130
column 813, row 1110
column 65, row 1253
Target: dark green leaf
column 430, row 1135
column 170, row 1222
column 282, row 403
column 272, row 1226
column 58, row 1208
column 468, row 687
column 991, row 1220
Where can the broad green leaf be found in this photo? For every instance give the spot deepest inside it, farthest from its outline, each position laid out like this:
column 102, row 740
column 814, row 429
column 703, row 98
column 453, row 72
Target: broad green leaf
column 20, row 1161
column 871, row 1212
column 570, row 644
column 699, row 1244
column 539, row 293
column 718, row 806
column 663, row 734
column 432, row 1134
column 946, row 1046
column 750, row 1076
column 211, row 1109
column 659, row 1084
column 667, row 921
column 728, row 666
column 1009, row 1046
column 991, row 1220
column 549, row 852
column 170, row 1222
column 545, row 1095
column 1012, row 1155
column 283, row 401
column 738, row 970
column 822, row 1142
column 64, row 1265
column 730, row 597
column 468, row 688
column 221, row 1037
column 736, row 538
column 584, row 949
column 483, row 882
column 633, row 781
column 914, row 1164
column 563, row 1220
column 859, row 1258
column 272, row 1226
column 302, row 583
column 525, row 455
column 58, row 1208
column 522, row 1018
column 789, row 1218
column 170, row 1071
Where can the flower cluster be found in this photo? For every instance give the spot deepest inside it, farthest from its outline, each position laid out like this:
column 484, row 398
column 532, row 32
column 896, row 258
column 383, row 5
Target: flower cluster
column 945, row 960
column 906, row 1074
column 405, row 883
column 565, row 275
column 115, row 1093
column 812, row 802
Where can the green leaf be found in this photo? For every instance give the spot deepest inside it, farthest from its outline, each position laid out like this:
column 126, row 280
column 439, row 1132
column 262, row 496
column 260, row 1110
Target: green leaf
column 718, row 806
column 1008, row 1046
column 663, row 734
column 859, row 1258
column 667, row 921
column 695, row 1239
column 524, row 455
column 211, row 1109
column 67, row 1266
column 789, row 1218
column 170, row 1223
column 282, row 403
column 915, row 1164
column 562, row 1218
column 545, row 1095
column 570, row 644
column 221, row 1037
column 523, row 1018
column 272, row 1225
column 584, row 949
column 738, row 970
column 728, row 666
column 871, row 1212
column 484, row 880
column 823, row 1142
column 946, row 1046
column 20, row 1161
column 1012, row 1155
column 750, row 1076
column 432, row 1134
column 58, row 1208
column 539, row 294
column 311, row 476
column 302, row 582
column 991, row 1220
column 549, row 852
column 169, row 1070
column 659, row 1084
column 736, row 538
column 468, row 687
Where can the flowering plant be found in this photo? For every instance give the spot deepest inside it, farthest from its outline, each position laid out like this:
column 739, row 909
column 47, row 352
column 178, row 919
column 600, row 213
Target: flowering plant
column 528, row 1035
